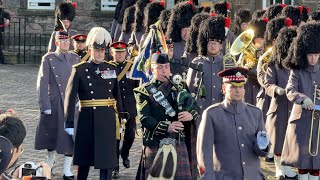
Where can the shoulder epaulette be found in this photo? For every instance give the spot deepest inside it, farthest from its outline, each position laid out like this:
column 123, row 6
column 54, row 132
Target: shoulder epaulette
column 77, row 65
column 214, row 105
column 142, row 90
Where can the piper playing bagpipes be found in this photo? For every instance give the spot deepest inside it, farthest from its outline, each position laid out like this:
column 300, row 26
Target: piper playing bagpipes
column 165, row 114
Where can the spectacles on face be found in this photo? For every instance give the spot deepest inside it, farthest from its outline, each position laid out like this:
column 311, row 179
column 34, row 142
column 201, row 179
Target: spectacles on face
column 213, row 43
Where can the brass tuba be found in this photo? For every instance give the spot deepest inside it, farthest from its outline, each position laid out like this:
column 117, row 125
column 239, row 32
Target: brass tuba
column 265, row 57
column 243, row 44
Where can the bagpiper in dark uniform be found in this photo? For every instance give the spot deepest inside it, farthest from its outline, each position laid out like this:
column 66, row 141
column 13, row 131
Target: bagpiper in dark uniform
column 95, row 84
column 53, row 76
column 126, row 86
column 223, row 8
column 191, row 44
column 179, row 31
column 127, row 24
column 4, row 21
column 242, row 19
column 231, row 135
column 79, row 44
column 280, row 108
column 65, row 13
column 138, row 28
column 157, row 105
column 301, row 140
column 207, row 87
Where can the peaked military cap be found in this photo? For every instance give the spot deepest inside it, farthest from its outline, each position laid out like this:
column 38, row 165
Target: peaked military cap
column 235, row 76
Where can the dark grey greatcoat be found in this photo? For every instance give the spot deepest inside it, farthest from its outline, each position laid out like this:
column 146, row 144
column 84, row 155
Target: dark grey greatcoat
column 95, row 141
column 262, row 99
column 125, row 37
column 52, row 46
column 178, row 49
column 295, row 149
column 135, row 37
column 212, row 82
column 280, row 107
column 227, row 146
column 53, row 77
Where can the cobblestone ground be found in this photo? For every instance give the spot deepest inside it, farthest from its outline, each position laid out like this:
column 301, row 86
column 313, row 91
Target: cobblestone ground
column 18, row 91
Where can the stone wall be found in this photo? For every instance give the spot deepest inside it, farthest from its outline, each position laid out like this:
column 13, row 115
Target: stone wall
column 88, row 15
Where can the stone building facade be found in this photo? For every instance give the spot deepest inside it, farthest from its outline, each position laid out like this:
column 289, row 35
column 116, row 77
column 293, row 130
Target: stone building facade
column 89, row 13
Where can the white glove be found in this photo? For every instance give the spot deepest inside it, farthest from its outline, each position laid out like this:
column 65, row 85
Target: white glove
column 47, row 112
column 69, row 131
column 307, row 103
column 263, row 139
column 280, row 91
column 78, row 104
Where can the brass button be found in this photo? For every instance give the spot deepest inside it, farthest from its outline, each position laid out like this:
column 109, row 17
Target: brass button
column 57, row 76
column 94, row 108
column 87, row 70
column 240, row 128
column 88, row 77
column 91, row 92
column 90, row 84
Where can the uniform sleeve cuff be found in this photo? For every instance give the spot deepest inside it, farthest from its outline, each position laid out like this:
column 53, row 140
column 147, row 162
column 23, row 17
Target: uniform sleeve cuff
column 195, row 115
column 161, row 128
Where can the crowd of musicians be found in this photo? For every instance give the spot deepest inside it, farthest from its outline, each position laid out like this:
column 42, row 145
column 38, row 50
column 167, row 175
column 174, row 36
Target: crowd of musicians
column 212, row 94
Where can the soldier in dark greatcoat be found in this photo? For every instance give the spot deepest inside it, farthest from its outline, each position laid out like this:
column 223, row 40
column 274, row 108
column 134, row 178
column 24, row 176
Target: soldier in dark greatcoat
column 126, row 86
column 223, row 8
column 191, row 44
column 242, row 19
column 127, row 24
column 115, row 19
column 79, row 44
column 231, row 135
column 64, row 15
column 53, row 76
column 151, row 15
column 138, row 28
column 95, row 84
column 124, row 6
column 178, row 30
column 280, row 107
column 207, row 87
column 301, row 140
column 274, row 11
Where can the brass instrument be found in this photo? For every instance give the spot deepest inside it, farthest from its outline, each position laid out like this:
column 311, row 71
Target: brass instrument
column 265, row 58
column 316, row 96
column 229, row 61
column 243, row 44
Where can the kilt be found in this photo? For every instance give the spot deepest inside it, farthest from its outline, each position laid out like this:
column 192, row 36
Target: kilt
column 183, row 166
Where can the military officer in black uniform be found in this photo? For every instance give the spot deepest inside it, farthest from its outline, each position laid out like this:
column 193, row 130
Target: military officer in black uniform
column 79, row 44
column 95, row 84
column 126, row 86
